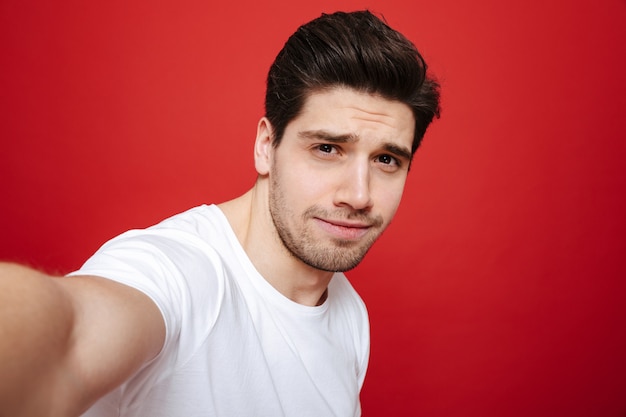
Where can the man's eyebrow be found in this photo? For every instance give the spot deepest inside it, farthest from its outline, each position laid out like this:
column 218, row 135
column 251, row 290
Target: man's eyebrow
column 327, row 136
column 400, row 151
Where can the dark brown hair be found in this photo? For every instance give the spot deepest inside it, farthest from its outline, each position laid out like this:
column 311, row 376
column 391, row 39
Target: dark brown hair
column 356, row 50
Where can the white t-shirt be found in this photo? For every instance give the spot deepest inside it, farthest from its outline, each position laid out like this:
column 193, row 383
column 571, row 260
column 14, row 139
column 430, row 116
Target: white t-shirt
column 234, row 345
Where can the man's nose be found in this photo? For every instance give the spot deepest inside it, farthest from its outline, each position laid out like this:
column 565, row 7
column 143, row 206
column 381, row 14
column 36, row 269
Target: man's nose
column 354, row 187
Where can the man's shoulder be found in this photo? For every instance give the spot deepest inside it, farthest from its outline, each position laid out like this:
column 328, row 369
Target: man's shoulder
column 202, row 228
column 341, row 292
column 180, row 249
column 195, row 220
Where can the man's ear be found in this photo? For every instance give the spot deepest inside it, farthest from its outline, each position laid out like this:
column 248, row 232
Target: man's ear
column 263, row 147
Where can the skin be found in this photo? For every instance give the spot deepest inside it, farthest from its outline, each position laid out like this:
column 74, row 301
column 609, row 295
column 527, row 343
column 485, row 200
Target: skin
column 320, row 200
column 327, row 192
column 64, row 343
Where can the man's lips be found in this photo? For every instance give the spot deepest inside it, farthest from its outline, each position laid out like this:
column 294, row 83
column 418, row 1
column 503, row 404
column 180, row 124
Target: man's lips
column 344, row 229
column 347, row 223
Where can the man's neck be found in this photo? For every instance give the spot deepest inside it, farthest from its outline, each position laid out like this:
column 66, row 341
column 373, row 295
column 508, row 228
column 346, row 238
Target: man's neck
column 251, row 221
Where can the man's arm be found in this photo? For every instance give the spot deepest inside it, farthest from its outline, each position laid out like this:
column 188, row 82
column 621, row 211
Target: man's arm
column 65, row 342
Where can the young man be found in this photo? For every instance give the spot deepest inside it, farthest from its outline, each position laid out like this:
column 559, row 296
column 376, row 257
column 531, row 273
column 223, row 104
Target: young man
column 241, row 308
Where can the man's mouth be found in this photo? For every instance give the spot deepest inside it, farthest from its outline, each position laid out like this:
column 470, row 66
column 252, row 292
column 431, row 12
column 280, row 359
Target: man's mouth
column 344, row 229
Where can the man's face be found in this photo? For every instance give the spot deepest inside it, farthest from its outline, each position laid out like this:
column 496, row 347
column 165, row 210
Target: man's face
column 337, row 177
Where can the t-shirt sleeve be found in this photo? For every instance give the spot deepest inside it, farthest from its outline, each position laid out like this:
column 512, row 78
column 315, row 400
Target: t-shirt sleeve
column 182, row 275
column 356, row 313
column 364, row 343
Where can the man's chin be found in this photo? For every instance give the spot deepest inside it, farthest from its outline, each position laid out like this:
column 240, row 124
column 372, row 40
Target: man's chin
column 335, row 261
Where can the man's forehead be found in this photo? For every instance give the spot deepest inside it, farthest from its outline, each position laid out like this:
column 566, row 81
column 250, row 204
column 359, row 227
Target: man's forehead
column 339, row 111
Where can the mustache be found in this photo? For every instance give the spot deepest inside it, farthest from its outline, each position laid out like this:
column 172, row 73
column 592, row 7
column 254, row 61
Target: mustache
column 361, row 216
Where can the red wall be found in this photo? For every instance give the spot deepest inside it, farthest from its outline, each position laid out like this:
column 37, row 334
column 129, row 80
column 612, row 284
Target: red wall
column 499, row 290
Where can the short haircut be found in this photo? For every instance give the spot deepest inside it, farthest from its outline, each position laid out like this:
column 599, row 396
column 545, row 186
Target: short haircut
column 355, row 50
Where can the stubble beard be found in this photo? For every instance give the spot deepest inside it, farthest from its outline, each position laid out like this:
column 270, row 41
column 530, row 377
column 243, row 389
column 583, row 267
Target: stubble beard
column 338, row 256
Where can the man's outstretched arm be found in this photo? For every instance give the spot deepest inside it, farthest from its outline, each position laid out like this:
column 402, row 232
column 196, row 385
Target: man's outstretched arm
column 65, row 342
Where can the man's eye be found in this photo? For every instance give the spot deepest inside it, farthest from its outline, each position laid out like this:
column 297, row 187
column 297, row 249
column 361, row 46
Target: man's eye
column 387, row 160
column 326, row 148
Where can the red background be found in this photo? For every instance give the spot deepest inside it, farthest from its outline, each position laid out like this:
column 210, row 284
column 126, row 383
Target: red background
column 500, row 288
